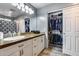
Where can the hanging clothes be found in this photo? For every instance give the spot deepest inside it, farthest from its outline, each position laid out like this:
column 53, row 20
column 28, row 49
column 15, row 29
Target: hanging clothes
column 56, row 28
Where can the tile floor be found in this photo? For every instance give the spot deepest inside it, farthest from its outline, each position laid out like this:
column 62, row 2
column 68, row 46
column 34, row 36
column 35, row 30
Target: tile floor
column 52, row 51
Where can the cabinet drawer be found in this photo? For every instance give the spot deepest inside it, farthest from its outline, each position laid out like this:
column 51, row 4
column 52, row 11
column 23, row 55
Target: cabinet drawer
column 35, row 40
column 42, row 37
column 25, row 43
column 29, row 42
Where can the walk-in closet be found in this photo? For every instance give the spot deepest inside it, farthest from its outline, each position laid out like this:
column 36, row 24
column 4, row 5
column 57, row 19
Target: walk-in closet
column 55, row 22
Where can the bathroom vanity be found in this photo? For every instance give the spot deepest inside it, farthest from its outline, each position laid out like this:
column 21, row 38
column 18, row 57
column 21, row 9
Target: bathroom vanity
column 23, row 45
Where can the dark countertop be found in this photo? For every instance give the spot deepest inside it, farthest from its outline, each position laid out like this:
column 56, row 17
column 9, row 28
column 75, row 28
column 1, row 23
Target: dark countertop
column 17, row 39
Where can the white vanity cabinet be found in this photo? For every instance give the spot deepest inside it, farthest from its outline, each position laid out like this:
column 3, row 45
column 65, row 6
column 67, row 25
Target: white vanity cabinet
column 19, row 49
column 31, row 47
column 38, row 45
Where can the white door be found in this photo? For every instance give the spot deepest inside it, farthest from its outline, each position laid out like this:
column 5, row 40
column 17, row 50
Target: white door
column 68, row 32
column 77, row 36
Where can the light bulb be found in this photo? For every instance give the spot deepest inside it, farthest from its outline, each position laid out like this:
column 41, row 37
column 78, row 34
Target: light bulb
column 23, row 9
column 26, row 7
column 31, row 11
column 22, row 5
column 26, row 11
column 19, row 7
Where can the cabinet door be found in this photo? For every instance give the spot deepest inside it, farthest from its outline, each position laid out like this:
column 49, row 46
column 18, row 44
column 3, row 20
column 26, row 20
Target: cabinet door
column 35, row 46
column 9, row 50
column 17, row 53
column 27, row 50
column 42, row 41
column 41, row 44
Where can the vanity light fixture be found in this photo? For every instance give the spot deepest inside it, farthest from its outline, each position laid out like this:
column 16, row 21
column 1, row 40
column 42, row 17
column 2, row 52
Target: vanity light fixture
column 23, row 7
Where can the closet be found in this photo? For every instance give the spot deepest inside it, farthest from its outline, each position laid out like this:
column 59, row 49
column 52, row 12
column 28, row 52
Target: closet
column 55, row 28
column 71, row 30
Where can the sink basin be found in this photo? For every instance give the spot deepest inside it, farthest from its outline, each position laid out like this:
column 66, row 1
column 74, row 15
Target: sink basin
column 13, row 38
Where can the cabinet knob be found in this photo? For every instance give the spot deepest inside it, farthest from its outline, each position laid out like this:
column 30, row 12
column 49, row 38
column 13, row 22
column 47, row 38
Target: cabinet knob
column 21, row 45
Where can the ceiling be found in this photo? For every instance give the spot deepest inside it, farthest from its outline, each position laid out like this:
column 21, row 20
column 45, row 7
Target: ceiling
column 39, row 5
column 5, row 9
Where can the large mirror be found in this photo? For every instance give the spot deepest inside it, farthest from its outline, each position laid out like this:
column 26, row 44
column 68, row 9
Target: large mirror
column 15, row 19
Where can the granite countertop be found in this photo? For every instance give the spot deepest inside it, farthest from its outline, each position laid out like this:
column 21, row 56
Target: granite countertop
column 17, row 39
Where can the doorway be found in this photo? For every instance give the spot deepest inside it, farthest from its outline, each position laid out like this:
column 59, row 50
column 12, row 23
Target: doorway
column 55, row 28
